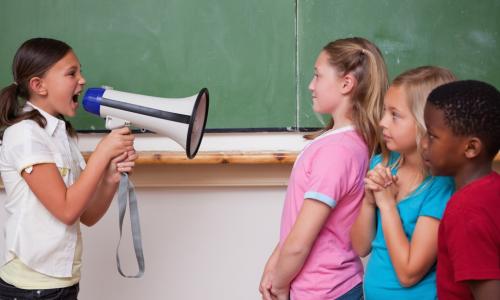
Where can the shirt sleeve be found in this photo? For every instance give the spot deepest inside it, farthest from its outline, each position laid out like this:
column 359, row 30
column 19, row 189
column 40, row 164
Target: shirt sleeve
column 330, row 175
column 26, row 145
column 441, row 190
column 471, row 245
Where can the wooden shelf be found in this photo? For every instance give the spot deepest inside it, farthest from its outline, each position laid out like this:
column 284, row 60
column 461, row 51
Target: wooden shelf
column 211, row 158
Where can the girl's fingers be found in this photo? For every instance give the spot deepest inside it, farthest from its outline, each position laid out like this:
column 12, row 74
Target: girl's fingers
column 375, row 177
column 119, row 158
column 370, row 185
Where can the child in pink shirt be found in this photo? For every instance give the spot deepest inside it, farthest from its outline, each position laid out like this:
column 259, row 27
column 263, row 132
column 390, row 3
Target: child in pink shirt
column 314, row 258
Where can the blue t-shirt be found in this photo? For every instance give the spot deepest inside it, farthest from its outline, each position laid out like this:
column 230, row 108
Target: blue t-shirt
column 428, row 199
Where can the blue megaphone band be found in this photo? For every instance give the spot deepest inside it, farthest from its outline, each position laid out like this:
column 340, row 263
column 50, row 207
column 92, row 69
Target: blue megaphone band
column 92, row 100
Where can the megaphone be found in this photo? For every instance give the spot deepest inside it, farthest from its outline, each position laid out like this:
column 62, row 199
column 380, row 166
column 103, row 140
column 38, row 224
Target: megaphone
column 181, row 119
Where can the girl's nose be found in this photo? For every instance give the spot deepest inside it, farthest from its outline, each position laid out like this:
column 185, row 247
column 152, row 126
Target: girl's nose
column 311, row 85
column 382, row 122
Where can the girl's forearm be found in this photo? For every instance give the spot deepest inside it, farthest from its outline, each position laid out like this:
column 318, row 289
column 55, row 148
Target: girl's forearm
column 87, row 183
column 290, row 262
column 397, row 243
column 363, row 229
column 100, row 203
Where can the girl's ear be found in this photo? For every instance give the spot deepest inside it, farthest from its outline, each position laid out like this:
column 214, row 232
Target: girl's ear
column 473, row 147
column 37, row 86
column 349, row 82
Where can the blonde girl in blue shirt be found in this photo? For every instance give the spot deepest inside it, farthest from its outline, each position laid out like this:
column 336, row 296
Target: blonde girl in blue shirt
column 403, row 204
column 50, row 189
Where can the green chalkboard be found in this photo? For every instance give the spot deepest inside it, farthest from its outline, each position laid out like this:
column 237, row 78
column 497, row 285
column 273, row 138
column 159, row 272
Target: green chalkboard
column 461, row 35
column 242, row 51
column 256, row 56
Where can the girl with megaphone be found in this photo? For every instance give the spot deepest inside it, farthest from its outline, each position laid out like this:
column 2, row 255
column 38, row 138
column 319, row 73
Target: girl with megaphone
column 50, row 189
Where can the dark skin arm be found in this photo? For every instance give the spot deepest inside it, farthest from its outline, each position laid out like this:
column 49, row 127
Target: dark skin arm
column 485, row 289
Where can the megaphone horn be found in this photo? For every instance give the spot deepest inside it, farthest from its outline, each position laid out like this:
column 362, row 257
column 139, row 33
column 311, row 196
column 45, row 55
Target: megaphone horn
column 181, row 119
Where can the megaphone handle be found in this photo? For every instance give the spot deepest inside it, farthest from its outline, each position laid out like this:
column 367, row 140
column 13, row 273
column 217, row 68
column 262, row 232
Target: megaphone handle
column 126, row 193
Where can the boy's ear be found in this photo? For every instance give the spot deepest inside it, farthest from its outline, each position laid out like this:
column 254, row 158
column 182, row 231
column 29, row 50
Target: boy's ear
column 348, row 83
column 473, row 147
column 37, row 86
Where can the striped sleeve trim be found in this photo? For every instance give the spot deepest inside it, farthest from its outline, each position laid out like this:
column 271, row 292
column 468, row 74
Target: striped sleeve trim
column 320, row 197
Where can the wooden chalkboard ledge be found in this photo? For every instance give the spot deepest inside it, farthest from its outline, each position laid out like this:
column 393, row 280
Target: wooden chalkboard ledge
column 214, row 157
column 222, row 157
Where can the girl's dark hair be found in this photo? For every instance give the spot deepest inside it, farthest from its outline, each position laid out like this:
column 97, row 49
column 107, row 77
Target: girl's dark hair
column 33, row 59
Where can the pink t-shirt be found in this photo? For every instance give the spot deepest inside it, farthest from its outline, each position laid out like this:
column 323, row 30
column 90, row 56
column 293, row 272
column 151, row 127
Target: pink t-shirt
column 330, row 169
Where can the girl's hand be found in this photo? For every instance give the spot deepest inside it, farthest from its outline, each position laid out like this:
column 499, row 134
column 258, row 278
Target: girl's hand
column 122, row 163
column 384, row 186
column 280, row 294
column 265, row 285
column 117, row 142
column 369, row 198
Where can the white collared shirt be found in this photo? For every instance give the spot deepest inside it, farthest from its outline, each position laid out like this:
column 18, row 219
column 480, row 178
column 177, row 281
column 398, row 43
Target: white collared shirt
column 32, row 233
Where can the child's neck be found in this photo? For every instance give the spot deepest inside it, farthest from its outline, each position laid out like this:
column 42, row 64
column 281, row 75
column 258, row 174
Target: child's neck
column 472, row 171
column 410, row 174
column 341, row 121
column 413, row 160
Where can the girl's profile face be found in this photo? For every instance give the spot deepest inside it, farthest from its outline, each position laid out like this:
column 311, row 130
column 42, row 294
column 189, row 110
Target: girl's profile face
column 399, row 127
column 62, row 83
column 325, row 86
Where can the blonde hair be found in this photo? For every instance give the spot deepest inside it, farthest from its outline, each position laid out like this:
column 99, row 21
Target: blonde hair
column 417, row 84
column 364, row 60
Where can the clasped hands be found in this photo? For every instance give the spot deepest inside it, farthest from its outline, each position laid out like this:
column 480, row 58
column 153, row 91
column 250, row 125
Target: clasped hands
column 381, row 187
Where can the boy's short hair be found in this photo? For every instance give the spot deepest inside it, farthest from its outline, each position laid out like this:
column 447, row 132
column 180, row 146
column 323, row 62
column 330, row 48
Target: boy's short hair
column 471, row 108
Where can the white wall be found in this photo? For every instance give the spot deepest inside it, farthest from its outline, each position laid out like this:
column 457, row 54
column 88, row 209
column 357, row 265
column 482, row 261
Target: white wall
column 200, row 242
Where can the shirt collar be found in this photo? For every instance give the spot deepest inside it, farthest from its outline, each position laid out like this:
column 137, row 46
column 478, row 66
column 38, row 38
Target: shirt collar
column 52, row 122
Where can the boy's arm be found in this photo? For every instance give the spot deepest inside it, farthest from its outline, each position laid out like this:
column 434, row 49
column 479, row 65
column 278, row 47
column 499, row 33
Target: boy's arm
column 298, row 244
column 485, row 289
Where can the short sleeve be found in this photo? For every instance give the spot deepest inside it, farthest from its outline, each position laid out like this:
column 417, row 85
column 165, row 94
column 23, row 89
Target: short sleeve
column 471, row 245
column 25, row 144
column 330, row 175
column 441, row 189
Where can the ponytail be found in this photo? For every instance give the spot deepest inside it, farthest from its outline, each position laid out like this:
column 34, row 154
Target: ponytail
column 368, row 98
column 9, row 105
column 11, row 109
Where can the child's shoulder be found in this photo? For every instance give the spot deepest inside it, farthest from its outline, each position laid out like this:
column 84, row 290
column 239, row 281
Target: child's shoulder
column 338, row 145
column 489, row 184
column 21, row 129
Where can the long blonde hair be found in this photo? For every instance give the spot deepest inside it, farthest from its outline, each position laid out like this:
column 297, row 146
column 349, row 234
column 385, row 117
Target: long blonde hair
column 364, row 60
column 417, row 84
